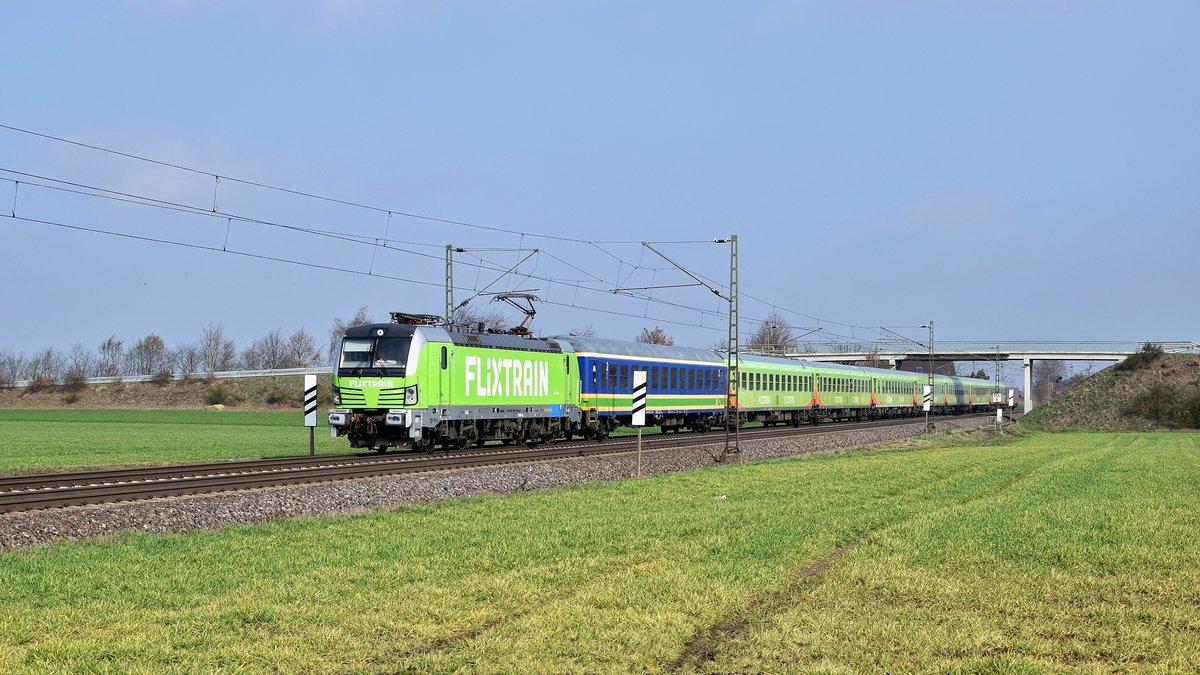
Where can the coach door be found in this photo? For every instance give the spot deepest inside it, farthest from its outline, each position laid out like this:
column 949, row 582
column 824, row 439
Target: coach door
column 444, row 393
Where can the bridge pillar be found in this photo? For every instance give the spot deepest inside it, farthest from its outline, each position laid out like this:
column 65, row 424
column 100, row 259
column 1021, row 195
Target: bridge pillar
column 1028, row 384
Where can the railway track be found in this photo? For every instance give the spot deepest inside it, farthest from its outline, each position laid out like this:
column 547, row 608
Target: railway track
column 54, row 490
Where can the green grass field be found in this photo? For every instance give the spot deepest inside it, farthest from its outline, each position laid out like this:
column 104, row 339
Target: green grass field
column 1053, row 553
column 54, row 439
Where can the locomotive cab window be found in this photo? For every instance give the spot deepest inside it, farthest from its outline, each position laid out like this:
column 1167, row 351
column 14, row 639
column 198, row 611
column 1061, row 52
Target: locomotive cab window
column 383, row 356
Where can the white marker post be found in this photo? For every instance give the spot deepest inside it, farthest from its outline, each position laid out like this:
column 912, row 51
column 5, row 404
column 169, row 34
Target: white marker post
column 1011, row 397
column 639, row 411
column 928, row 398
column 310, row 411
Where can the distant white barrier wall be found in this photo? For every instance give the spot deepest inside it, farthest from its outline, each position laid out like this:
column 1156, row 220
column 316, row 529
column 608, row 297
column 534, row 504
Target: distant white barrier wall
column 225, row 375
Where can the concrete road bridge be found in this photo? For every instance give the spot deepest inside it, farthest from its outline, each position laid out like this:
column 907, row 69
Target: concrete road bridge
column 919, row 358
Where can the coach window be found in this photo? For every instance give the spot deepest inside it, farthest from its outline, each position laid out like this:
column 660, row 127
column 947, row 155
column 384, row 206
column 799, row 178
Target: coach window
column 674, row 378
column 624, row 377
column 593, row 376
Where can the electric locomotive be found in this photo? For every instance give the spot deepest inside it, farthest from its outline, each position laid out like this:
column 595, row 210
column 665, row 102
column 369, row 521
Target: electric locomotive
column 412, row 383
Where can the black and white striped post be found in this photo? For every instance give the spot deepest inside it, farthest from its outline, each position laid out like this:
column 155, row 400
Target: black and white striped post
column 639, row 411
column 310, row 411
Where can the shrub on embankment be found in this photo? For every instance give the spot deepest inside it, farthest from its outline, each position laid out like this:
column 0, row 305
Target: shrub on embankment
column 1151, row 390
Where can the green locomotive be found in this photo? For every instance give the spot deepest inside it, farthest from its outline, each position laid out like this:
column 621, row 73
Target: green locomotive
column 413, row 383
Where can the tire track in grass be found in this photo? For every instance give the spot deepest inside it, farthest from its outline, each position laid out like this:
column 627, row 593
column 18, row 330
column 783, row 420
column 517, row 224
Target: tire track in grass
column 453, row 640
column 703, row 648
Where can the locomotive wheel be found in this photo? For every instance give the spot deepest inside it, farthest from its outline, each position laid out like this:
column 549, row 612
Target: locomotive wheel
column 467, row 437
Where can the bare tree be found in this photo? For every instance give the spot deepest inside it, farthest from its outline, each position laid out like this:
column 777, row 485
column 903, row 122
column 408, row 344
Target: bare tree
column 1047, row 375
column 111, row 357
column 872, row 359
column 217, row 352
column 773, row 335
column 301, row 351
column 339, row 326
column 188, row 359
column 147, row 356
column 12, row 367
column 46, row 366
column 587, row 331
column 79, row 362
column 266, row 353
column 472, row 318
column 658, row 336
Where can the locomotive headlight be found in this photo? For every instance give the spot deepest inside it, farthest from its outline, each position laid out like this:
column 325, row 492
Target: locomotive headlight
column 410, row 395
column 337, row 397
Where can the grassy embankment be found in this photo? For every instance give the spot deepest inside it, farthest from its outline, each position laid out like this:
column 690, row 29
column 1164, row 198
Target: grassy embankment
column 1054, row 552
column 56, row 439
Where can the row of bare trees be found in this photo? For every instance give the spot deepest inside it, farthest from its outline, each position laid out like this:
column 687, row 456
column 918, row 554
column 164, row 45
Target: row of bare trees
column 213, row 352
column 773, row 336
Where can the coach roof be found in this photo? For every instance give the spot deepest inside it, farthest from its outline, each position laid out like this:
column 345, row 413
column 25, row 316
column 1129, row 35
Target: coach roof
column 596, row 345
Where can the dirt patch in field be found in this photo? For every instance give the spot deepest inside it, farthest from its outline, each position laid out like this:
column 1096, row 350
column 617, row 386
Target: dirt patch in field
column 250, row 393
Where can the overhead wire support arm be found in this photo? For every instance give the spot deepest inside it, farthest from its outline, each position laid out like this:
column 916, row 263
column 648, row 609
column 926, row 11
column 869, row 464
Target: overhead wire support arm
column 922, row 345
column 629, row 291
column 493, row 282
column 681, row 268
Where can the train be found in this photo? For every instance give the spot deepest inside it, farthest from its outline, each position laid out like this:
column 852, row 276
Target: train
column 416, row 383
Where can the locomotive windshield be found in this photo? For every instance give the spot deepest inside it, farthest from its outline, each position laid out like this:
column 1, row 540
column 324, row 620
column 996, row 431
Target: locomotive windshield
column 375, row 356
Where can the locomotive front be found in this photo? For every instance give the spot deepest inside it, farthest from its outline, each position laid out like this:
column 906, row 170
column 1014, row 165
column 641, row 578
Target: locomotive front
column 377, row 385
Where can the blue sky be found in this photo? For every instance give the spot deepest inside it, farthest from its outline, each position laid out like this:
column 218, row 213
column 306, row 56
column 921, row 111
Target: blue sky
column 1012, row 170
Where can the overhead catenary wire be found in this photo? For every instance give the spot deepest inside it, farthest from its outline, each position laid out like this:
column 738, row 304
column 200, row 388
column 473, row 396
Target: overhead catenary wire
column 301, row 193
column 332, row 268
column 218, row 178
